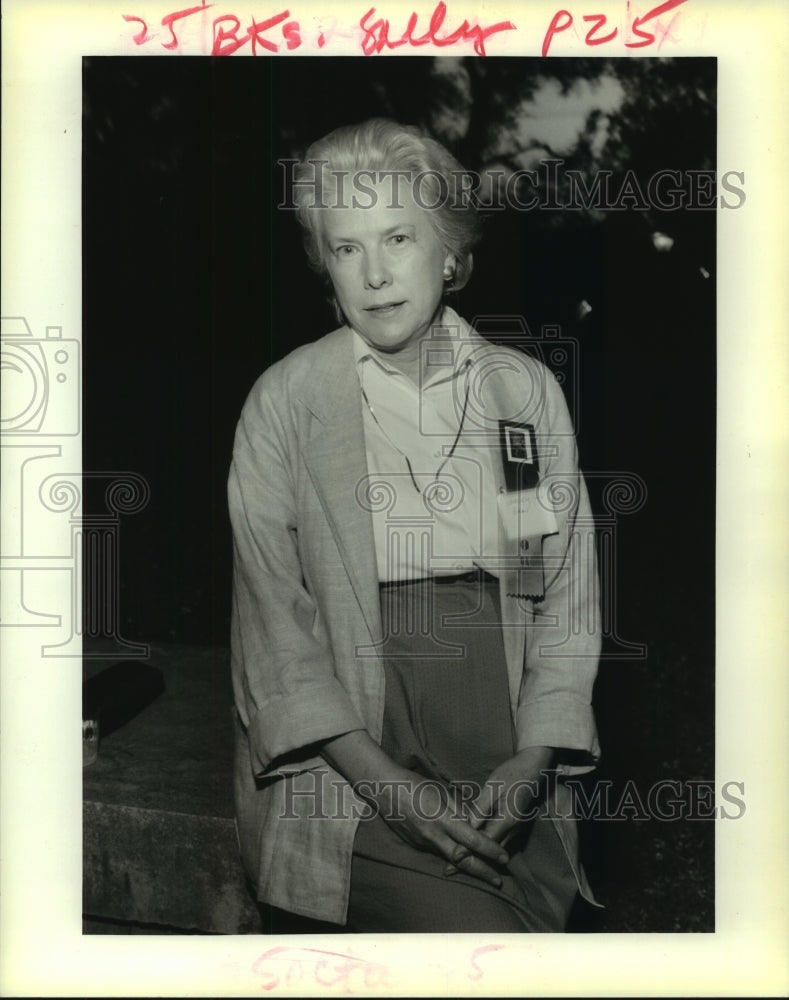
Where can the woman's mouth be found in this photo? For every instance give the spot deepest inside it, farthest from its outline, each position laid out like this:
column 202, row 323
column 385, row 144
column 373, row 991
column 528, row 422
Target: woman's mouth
column 385, row 309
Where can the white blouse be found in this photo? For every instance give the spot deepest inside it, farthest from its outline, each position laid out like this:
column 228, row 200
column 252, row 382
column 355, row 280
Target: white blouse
column 433, row 507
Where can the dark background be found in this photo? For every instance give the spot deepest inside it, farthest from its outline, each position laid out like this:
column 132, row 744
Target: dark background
column 194, row 283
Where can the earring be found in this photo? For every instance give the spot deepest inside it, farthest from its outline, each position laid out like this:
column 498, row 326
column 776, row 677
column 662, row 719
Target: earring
column 449, row 274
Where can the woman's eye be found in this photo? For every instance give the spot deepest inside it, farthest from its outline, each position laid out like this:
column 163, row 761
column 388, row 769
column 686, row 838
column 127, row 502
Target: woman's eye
column 399, row 238
column 345, row 251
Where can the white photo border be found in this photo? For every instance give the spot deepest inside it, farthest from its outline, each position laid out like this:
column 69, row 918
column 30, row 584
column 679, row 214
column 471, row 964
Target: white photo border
column 43, row 950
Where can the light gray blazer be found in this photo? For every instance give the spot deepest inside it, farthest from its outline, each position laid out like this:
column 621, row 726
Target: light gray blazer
column 306, row 626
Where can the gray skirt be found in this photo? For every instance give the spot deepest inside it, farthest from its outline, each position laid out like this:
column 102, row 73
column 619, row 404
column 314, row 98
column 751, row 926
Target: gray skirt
column 447, row 717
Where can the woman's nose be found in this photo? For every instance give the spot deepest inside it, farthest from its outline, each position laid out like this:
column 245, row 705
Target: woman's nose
column 376, row 273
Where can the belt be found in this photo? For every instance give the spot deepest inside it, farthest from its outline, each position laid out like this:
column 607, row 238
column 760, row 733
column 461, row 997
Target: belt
column 475, row 575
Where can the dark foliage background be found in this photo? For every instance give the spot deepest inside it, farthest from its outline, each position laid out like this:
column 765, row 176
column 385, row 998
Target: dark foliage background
column 194, row 283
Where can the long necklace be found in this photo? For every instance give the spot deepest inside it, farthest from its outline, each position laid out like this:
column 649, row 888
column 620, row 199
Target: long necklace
column 400, row 450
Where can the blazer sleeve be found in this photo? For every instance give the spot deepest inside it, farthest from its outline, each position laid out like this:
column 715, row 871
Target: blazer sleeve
column 563, row 637
column 285, row 688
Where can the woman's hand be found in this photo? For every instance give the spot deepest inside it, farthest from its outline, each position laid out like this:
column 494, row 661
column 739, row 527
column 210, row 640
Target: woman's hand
column 507, row 797
column 423, row 813
column 431, row 817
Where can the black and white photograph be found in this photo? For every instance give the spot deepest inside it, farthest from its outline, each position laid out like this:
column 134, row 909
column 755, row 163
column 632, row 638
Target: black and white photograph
column 571, row 292
column 391, row 473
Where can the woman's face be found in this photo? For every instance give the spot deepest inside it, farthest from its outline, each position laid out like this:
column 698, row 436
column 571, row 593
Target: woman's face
column 387, row 267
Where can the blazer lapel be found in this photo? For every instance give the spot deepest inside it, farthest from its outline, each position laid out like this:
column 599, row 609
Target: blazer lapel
column 336, row 460
column 502, row 398
column 337, row 463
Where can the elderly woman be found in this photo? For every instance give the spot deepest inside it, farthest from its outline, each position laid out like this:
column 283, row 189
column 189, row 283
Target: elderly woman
column 415, row 625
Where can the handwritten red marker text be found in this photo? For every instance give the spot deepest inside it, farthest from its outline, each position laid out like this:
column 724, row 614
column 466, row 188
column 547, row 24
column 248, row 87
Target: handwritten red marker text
column 376, row 34
column 290, row 966
column 377, row 37
column 597, row 24
column 270, row 34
